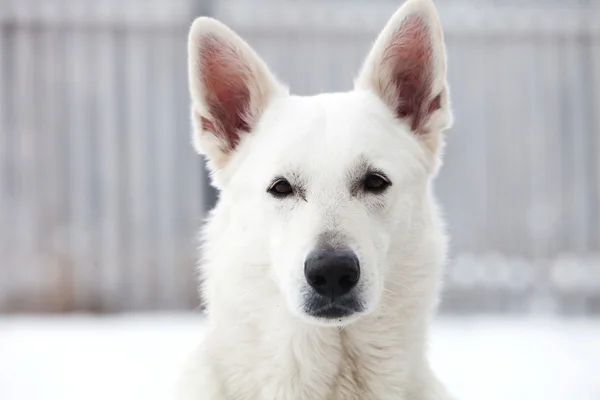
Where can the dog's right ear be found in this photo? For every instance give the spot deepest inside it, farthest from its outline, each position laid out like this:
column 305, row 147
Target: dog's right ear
column 230, row 88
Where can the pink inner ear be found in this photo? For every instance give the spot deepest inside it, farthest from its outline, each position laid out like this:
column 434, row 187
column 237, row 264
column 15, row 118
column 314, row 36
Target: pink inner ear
column 409, row 61
column 225, row 77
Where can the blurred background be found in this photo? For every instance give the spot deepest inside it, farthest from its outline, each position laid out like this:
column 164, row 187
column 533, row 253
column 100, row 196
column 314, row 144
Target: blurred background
column 101, row 194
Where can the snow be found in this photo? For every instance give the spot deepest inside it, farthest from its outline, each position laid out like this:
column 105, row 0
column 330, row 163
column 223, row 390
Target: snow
column 139, row 356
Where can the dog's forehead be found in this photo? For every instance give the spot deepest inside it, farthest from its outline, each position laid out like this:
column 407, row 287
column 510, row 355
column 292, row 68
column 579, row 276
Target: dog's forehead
column 334, row 117
column 333, row 130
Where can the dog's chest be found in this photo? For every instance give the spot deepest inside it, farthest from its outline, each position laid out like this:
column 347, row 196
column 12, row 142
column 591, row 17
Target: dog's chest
column 360, row 379
column 368, row 370
column 326, row 370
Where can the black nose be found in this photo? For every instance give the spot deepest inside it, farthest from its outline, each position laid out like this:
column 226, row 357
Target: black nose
column 332, row 273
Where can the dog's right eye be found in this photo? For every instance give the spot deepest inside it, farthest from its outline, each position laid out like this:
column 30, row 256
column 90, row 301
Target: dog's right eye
column 376, row 183
column 280, row 188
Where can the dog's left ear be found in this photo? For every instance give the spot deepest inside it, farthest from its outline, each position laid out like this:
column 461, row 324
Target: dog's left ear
column 407, row 70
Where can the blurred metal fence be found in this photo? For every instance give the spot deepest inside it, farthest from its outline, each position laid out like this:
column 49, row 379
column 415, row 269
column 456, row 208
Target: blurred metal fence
column 100, row 192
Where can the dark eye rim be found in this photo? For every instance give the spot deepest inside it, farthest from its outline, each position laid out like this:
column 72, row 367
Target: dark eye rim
column 272, row 188
column 380, row 175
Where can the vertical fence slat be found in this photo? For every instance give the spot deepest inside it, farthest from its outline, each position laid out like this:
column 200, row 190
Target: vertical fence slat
column 595, row 88
column 108, row 138
column 25, row 275
column 575, row 142
column 79, row 67
column 166, row 173
column 136, row 132
column 6, row 250
column 49, row 181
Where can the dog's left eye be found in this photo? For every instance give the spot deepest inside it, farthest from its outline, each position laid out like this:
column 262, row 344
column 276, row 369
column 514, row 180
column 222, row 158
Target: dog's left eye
column 376, row 183
column 280, row 188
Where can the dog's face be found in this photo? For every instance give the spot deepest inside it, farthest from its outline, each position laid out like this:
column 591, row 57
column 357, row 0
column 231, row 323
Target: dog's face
column 329, row 179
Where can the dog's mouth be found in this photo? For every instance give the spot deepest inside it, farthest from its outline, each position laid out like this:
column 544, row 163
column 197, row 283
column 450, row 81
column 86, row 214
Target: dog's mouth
column 332, row 311
column 327, row 309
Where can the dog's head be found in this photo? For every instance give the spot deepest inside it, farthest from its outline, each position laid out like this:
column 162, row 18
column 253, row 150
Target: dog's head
column 326, row 181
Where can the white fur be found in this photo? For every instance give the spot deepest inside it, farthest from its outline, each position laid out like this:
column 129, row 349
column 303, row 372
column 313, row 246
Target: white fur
column 259, row 343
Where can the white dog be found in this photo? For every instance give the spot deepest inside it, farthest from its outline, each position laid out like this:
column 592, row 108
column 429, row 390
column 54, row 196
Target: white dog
column 321, row 262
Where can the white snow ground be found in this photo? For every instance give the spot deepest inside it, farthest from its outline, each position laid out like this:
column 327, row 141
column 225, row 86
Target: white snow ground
column 138, row 357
